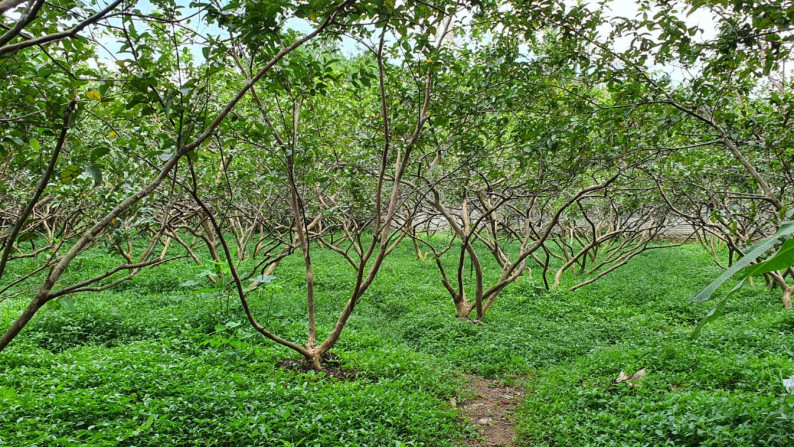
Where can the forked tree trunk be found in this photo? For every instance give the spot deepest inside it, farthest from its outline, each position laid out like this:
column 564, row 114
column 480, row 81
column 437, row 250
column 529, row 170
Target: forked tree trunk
column 462, row 308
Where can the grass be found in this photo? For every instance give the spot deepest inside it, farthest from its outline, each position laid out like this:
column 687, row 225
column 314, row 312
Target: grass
column 156, row 363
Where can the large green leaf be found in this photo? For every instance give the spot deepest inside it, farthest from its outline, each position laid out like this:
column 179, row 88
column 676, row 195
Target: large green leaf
column 756, row 251
column 782, row 260
column 717, row 311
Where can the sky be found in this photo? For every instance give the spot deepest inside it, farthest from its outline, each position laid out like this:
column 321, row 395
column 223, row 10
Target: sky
column 701, row 17
column 349, row 47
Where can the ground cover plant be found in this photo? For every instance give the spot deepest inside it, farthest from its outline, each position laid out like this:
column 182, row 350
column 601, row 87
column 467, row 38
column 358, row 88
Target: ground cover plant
column 722, row 388
column 330, row 222
column 156, row 362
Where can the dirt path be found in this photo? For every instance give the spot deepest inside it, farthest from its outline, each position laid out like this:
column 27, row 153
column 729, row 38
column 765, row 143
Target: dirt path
column 491, row 410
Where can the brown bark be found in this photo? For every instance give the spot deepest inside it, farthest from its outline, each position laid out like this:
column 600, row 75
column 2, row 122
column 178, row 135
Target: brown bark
column 43, row 181
column 22, row 321
column 43, row 295
column 787, row 292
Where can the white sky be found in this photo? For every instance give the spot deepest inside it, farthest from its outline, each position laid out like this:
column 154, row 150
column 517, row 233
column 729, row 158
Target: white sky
column 625, row 8
column 349, row 47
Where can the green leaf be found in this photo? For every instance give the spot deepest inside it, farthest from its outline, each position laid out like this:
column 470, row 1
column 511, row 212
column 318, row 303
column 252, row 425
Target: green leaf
column 756, row 251
column 34, row 143
column 768, row 63
column 717, row 311
column 95, row 172
column 263, row 279
column 70, row 173
column 147, row 424
column 26, row 237
column 781, row 260
column 99, row 152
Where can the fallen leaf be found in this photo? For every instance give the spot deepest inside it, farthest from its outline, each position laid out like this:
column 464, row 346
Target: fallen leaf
column 634, row 379
column 638, row 375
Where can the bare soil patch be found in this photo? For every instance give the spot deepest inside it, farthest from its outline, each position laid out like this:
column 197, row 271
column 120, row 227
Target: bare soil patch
column 332, row 368
column 491, row 410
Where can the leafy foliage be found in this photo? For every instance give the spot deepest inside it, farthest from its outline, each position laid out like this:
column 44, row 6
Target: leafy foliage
column 182, row 358
column 781, row 259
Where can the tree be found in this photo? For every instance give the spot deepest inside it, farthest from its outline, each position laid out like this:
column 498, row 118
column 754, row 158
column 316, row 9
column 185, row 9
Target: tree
column 155, row 77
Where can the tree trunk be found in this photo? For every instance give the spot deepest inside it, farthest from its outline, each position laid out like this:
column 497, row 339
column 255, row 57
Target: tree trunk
column 462, row 308
column 21, row 322
column 419, row 255
column 316, row 360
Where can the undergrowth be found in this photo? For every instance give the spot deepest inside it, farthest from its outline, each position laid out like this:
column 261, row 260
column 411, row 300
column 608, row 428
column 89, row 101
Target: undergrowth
column 165, row 360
